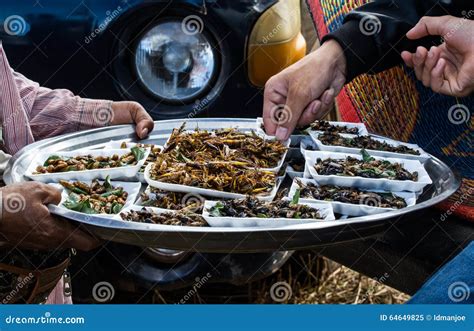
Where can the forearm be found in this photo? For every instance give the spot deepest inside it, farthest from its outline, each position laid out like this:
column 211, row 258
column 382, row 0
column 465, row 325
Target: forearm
column 373, row 35
column 54, row 112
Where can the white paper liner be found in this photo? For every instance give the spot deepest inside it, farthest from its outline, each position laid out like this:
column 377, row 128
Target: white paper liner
column 349, row 208
column 208, row 192
column 369, row 183
column 125, row 172
column 152, row 210
column 131, row 188
column 352, row 150
column 325, row 210
column 307, row 143
column 295, row 138
column 115, row 144
column 361, row 126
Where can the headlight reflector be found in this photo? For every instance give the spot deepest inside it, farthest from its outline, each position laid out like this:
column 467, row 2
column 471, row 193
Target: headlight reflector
column 173, row 64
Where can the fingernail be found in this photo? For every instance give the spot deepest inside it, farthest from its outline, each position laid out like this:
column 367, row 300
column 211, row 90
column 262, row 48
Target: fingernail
column 144, row 132
column 316, row 107
column 281, row 133
column 328, row 97
column 430, row 53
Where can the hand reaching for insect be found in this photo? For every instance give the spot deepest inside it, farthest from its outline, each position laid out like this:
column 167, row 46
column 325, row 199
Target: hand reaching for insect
column 304, row 91
column 447, row 68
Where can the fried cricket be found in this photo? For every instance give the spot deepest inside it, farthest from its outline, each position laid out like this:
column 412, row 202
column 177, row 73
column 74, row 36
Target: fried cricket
column 251, row 207
column 350, row 195
column 368, row 167
column 364, row 142
column 170, row 218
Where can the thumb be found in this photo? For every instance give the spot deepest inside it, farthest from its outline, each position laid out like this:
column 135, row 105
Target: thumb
column 429, row 26
column 144, row 122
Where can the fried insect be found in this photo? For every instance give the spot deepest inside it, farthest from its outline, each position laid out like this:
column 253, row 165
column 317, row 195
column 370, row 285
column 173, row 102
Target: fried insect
column 229, row 145
column 95, row 198
column 220, row 176
column 328, row 127
column 334, row 139
column 171, row 200
column 171, row 218
column 251, row 207
column 350, row 195
column 368, row 167
column 56, row 163
column 154, row 151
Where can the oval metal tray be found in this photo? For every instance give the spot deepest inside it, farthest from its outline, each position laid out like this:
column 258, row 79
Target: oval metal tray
column 220, row 239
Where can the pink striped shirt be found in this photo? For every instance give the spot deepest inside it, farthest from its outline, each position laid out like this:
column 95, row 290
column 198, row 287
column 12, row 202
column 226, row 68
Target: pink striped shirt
column 29, row 112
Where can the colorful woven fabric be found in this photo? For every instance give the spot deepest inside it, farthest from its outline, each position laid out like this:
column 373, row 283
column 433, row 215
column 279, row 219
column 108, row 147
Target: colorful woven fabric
column 395, row 104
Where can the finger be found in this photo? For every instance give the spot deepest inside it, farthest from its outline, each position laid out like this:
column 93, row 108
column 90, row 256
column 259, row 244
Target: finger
column 50, row 195
column 144, row 122
column 328, row 97
column 437, row 79
column 418, row 61
column 298, row 99
column 310, row 114
column 407, row 58
column 431, row 60
column 273, row 96
column 429, row 26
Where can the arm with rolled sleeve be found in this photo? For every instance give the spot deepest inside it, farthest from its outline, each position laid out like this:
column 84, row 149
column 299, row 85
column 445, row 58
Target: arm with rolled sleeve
column 29, row 112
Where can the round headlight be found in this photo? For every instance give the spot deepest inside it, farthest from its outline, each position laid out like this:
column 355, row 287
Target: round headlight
column 173, row 63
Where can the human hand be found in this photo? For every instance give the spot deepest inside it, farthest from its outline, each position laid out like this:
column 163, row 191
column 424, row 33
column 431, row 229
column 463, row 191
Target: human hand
column 449, row 67
column 304, row 91
column 126, row 112
column 26, row 222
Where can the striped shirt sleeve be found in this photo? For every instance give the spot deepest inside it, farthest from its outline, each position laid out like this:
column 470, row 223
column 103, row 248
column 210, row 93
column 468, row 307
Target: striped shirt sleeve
column 29, row 112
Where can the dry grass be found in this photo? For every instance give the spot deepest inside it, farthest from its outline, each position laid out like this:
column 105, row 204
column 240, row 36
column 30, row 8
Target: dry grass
column 317, row 280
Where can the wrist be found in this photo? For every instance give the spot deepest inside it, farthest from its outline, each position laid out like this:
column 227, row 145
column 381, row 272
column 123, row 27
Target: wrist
column 336, row 55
